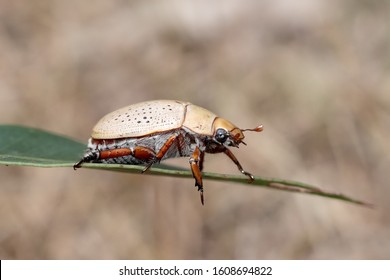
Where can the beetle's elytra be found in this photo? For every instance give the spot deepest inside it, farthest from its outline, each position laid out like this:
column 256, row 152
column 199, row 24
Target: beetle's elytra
column 149, row 132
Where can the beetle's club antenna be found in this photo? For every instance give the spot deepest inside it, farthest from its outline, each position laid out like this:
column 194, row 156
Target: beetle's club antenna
column 256, row 129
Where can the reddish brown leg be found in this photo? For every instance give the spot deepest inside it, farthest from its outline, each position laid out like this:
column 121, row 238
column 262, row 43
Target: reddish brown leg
column 115, row 153
column 94, row 155
column 194, row 162
column 141, row 153
column 179, row 144
column 164, row 149
column 234, row 159
column 138, row 152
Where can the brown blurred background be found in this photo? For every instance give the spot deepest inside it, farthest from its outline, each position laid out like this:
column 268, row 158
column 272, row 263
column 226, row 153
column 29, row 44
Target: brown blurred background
column 314, row 73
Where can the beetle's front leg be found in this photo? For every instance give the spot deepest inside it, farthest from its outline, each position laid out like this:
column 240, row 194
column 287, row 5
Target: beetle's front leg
column 235, row 160
column 194, row 162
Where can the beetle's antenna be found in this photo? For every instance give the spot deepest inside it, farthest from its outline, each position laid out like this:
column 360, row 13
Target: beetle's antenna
column 256, row 129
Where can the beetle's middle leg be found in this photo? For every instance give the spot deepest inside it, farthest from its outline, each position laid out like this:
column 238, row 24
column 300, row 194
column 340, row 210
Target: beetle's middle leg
column 235, row 160
column 164, row 149
column 195, row 160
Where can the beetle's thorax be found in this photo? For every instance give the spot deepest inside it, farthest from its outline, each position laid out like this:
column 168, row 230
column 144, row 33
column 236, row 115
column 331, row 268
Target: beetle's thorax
column 199, row 120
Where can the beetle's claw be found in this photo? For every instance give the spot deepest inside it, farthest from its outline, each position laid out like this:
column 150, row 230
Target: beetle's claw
column 78, row 164
column 89, row 156
column 250, row 176
column 200, row 190
column 147, row 167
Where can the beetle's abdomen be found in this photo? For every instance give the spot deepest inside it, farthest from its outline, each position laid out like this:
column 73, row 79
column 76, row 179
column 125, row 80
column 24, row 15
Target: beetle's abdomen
column 182, row 147
column 141, row 119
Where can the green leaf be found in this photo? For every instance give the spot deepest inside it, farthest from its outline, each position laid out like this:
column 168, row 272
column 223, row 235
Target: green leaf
column 26, row 146
column 34, row 147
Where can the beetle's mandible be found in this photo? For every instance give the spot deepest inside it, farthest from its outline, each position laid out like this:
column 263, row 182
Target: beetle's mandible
column 149, row 132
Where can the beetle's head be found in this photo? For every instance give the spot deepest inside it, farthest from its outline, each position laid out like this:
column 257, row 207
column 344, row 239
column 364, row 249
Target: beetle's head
column 227, row 134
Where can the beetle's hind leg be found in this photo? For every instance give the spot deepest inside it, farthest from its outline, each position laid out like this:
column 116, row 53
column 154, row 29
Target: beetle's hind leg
column 89, row 156
column 141, row 153
column 93, row 155
column 195, row 160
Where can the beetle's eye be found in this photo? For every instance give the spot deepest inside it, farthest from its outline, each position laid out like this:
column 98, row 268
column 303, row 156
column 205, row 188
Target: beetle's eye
column 221, row 135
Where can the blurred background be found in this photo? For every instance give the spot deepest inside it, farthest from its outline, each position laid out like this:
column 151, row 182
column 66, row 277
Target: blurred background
column 314, row 73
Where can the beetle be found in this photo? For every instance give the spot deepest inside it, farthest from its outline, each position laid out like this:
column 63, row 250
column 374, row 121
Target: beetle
column 149, row 132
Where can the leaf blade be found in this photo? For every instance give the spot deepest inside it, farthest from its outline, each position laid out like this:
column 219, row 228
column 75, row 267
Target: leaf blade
column 25, row 146
column 34, row 147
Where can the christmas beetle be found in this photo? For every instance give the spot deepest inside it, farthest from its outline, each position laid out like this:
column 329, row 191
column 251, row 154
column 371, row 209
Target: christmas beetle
column 149, row 132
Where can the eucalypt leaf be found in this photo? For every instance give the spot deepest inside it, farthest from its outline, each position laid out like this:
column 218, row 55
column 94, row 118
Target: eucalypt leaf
column 25, row 146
